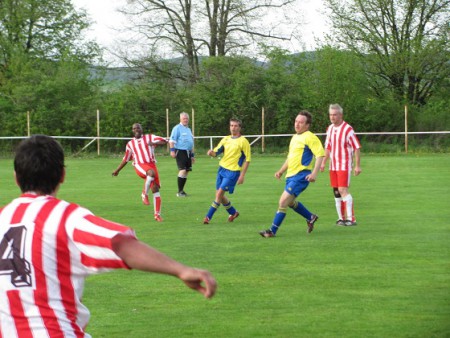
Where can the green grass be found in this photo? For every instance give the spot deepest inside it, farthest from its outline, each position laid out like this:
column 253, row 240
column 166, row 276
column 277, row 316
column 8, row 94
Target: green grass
column 387, row 277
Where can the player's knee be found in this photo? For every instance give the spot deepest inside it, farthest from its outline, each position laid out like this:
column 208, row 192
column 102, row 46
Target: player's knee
column 336, row 193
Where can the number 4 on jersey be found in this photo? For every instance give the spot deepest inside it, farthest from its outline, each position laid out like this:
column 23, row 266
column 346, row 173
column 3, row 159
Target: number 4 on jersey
column 12, row 257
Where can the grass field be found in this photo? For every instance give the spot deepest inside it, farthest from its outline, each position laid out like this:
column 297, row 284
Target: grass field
column 387, row 277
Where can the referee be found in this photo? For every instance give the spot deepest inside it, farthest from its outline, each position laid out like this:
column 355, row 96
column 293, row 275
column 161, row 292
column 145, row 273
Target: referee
column 182, row 148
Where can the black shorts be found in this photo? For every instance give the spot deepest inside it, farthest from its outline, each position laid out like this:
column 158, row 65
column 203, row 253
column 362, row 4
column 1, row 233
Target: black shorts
column 184, row 159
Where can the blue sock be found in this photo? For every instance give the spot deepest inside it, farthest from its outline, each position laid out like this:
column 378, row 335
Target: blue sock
column 278, row 219
column 231, row 210
column 212, row 209
column 300, row 209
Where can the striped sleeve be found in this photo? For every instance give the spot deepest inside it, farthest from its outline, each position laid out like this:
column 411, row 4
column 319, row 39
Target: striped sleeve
column 353, row 140
column 92, row 235
column 157, row 139
column 128, row 152
column 327, row 139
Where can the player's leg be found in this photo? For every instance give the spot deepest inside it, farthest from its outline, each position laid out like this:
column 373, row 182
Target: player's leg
column 214, row 205
column 340, row 206
column 297, row 185
column 232, row 212
column 184, row 164
column 347, row 199
column 155, row 186
column 285, row 199
column 181, row 181
column 141, row 171
column 228, row 184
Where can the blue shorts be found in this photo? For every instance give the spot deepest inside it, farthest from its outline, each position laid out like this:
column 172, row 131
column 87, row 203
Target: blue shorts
column 227, row 179
column 297, row 183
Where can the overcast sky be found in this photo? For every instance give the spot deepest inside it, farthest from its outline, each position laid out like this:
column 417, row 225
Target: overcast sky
column 105, row 18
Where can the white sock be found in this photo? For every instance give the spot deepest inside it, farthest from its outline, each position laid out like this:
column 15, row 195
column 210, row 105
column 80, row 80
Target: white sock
column 349, row 203
column 338, row 201
column 148, row 181
column 157, row 203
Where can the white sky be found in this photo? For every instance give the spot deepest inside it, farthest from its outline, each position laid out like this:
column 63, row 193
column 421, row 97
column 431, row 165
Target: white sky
column 105, row 18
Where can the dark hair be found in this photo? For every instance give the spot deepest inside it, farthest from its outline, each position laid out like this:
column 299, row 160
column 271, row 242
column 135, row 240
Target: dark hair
column 308, row 116
column 237, row 121
column 39, row 164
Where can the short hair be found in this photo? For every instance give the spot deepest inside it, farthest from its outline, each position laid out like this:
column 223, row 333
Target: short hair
column 336, row 106
column 184, row 114
column 39, row 164
column 308, row 116
column 237, row 121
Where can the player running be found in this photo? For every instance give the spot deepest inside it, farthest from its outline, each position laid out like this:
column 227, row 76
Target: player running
column 343, row 148
column 141, row 149
column 304, row 146
column 232, row 169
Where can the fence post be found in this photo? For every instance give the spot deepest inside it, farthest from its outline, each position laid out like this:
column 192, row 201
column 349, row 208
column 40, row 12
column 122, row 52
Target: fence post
column 167, row 127
column 98, row 132
column 193, row 122
column 263, row 145
column 406, row 129
column 28, row 122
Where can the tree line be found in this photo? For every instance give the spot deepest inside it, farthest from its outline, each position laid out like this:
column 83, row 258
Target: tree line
column 380, row 56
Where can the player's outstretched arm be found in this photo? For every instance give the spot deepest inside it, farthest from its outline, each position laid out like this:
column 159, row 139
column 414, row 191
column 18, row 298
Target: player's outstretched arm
column 119, row 168
column 140, row 256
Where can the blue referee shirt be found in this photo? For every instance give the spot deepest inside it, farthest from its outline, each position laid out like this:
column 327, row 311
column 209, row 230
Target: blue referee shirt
column 182, row 137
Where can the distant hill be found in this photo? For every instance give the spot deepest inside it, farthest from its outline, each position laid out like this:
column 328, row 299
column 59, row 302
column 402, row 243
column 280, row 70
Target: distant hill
column 116, row 76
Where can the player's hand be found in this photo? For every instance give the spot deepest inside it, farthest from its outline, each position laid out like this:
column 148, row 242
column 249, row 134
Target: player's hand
column 211, row 153
column 200, row 280
column 322, row 167
column 311, row 178
column 172, row 153
column 278, row 175
column 193, row 160
column 115, row 173
column 357, row 171
column 240, row 180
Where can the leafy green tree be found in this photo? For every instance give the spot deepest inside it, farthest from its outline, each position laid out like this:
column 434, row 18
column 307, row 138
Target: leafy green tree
column 404, row 43
column 44, row 68
column 229, row 87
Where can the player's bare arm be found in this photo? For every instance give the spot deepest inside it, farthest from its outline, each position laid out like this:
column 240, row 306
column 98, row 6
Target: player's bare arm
column 312, row 177
column 243, row 172
column 140, row 256
column 324, row 162
column 357, row 169
column 283, row 168
column 119, row 168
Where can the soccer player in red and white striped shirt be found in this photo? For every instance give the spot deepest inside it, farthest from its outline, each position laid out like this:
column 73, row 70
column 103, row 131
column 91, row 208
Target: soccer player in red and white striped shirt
column 141, row 150
column 343, row 148
column 49, row 246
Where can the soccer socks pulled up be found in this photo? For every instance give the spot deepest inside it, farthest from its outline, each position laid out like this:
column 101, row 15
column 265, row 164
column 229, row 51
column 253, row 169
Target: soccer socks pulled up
column 181, row 183
column 300, row 209
column 230, row 209
column 340, row 207
column 212, row 209
column 148, row 182
column 278, row 219
column 157, row 203
column 348, row 200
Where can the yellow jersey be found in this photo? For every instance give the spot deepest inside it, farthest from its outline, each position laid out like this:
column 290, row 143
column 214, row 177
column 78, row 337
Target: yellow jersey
column 236, row 151
column 302, row 150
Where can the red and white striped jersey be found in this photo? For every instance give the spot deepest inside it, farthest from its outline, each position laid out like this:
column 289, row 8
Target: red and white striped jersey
column 341, row 142
column 140, row 150
column 47, row 249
